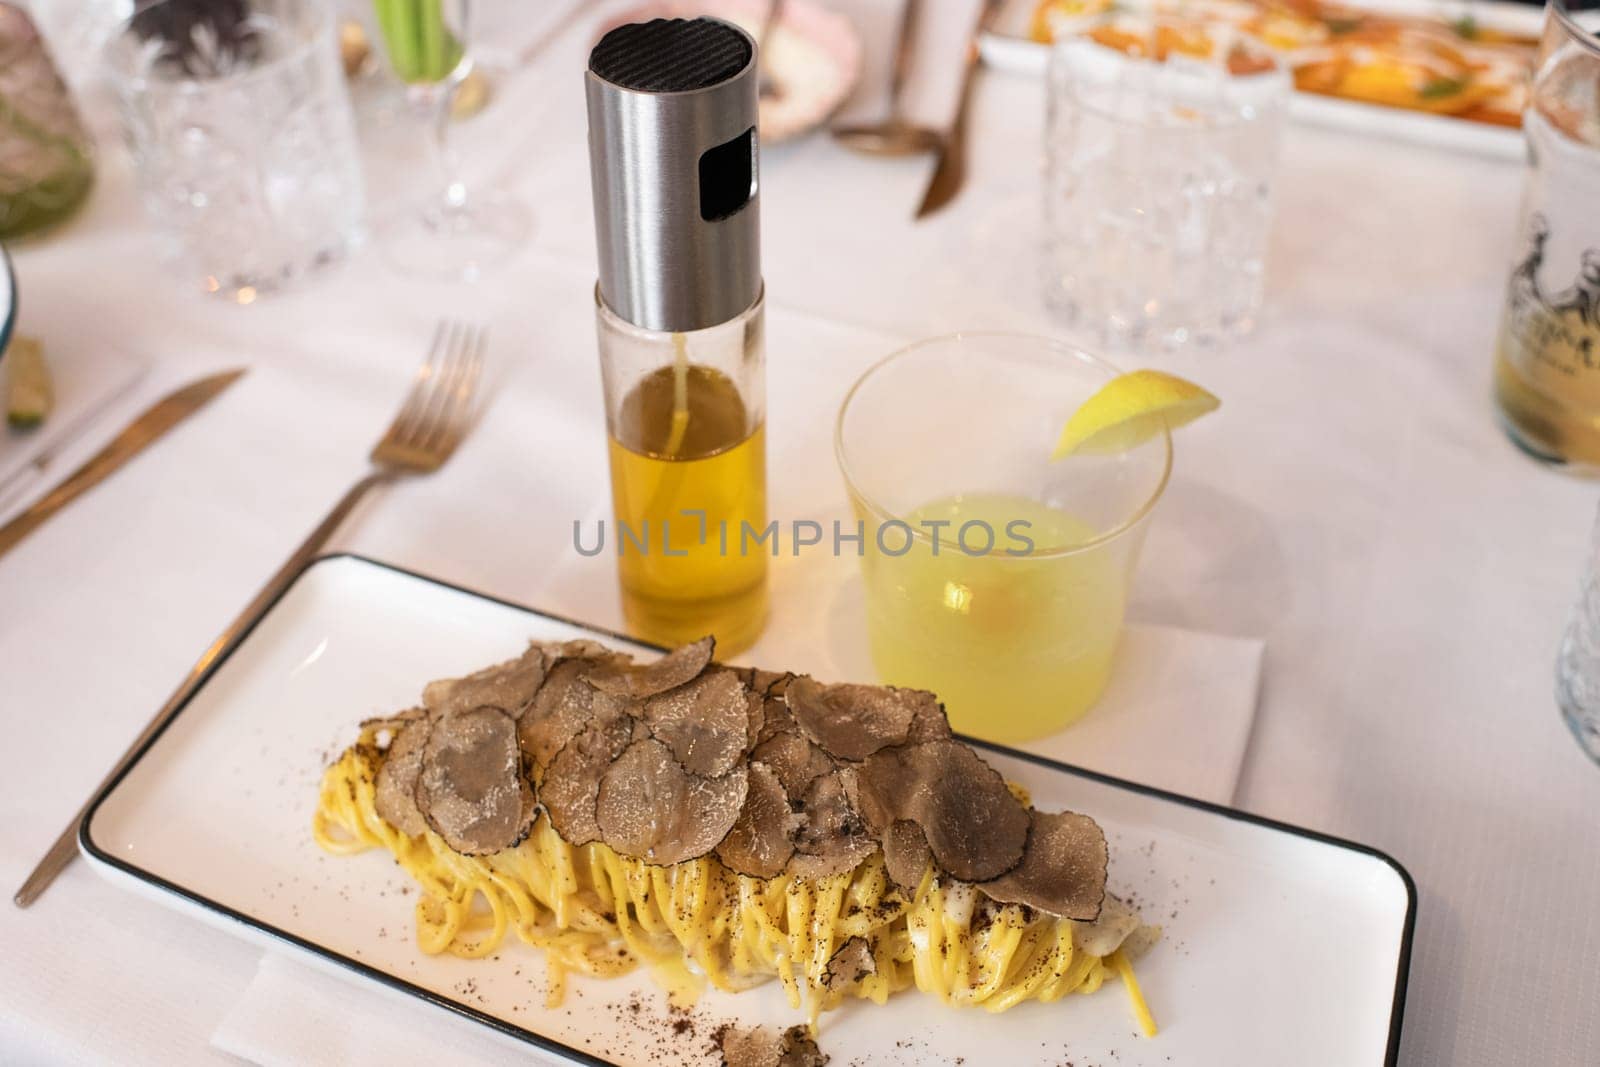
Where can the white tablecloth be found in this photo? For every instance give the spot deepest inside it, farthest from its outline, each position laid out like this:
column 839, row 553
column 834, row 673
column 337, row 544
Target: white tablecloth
column 1354, row 504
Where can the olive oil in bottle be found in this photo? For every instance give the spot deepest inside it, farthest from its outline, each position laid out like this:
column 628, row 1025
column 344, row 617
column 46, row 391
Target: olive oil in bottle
column 688, row 478
column 679, row 314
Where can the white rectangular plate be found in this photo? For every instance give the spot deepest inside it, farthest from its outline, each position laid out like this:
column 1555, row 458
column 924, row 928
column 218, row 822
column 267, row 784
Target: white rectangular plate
column 1280, row 945
column 1008, row 47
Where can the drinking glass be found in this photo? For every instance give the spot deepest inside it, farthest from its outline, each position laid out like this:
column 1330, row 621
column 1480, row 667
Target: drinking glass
column 1547, row 363
column 1158, row 195
column 454, row 232
column 993, row 576
column 1578, row 662
column 242, row 137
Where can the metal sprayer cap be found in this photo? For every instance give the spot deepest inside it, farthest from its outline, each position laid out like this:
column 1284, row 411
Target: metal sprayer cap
column 672, row 155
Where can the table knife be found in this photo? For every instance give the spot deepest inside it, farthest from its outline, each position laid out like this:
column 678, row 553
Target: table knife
column 951, row 169
column 138, row 435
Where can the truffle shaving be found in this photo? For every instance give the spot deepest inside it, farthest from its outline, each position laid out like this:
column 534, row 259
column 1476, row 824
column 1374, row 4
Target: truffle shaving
column 651, row 808
column 928, row 720
column 975, row 828
column 393, row 723
column 571, row 783
column 705, row 723
column 677, row 667
column 773, row 773
column 850, row 963
column 508, row 686
column 796, row 761
column 853, row 721
column 762, row 838
column 1063, row 868
column 833, row 838
column 765, row 1046
column 755, row 717
column 775, row 719
column 565, row 705
column 906, row 855
column 471, row 789
column 395, row 797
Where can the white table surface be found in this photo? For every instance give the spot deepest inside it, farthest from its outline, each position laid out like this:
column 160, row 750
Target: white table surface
column 1353, row 504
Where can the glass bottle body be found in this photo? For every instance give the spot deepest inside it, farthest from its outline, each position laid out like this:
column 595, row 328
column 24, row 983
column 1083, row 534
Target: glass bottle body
column 1547, row 359
column 685, row 422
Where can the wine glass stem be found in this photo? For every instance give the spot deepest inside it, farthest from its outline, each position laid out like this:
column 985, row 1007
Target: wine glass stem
column 439, row 100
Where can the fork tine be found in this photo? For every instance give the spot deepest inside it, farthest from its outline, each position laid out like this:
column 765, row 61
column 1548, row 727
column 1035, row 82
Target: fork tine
column 458, row 393
column 438, row 405
column 416, row 399
column 438, row 411
column 464, row 406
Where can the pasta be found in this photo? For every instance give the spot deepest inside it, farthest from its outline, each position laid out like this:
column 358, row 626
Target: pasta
column 596, row 912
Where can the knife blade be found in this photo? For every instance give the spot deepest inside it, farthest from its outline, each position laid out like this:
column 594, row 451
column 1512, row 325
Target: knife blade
column 951, row 169
column 138, row 435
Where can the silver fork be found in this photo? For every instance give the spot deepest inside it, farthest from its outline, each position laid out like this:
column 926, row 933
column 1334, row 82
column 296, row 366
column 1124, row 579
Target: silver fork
column 436, row 415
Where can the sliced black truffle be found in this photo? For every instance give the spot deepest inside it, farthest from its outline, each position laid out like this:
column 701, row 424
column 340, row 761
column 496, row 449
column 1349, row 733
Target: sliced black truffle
column 764, row 1046
column 854, row 721
column 850, row 963
column 670, row 671
column 508, row 686
column 775, row 718
column 583, row 648
column 565, row 705
column 1063, row 868
column 764, row 682
column 762, row 838
column 906, row 854
column 796, row 761
column 571, row 784
column 651, row 808
column 833, row 837
column 392, row 724
column 928, row 720
column 975, row 828
column 755, row 717
column 395, row 796
column 471, row 789
column 705, row 723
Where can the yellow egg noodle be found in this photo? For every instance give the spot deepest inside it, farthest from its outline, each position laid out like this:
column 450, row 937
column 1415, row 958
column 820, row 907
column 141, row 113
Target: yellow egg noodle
column 596, row 912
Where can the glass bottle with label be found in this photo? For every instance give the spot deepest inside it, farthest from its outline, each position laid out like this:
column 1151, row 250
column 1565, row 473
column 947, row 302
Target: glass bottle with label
column 1547, row 363
column 672, row 138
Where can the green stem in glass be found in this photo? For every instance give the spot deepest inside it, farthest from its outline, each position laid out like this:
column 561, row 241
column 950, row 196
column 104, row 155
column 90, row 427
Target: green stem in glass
column 421, row 46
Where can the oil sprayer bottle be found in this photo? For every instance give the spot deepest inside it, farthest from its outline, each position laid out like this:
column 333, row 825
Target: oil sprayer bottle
column 673, row 158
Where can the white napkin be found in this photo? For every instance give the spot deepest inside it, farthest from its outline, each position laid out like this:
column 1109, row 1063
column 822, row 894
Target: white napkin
column 1176, row 715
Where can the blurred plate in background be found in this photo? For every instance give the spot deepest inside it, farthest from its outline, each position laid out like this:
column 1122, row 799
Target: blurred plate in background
column 815, row 60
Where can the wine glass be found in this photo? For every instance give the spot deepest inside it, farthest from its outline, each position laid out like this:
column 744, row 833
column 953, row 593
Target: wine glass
column 454, row 233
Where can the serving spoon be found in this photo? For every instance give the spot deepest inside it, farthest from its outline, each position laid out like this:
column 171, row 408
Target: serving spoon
column 895, row 135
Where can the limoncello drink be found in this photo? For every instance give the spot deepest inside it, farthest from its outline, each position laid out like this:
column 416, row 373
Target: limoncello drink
column 682, row 441
column 1017, row 641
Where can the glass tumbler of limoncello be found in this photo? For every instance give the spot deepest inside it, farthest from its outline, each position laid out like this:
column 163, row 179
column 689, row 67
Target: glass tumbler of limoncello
column 994, row 576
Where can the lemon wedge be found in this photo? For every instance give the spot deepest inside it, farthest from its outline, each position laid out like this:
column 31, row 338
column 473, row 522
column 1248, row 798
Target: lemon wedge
column 1129, row 410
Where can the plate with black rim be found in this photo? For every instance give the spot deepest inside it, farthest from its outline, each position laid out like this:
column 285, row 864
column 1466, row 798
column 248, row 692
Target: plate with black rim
column 8, row 300
column 1279, row 945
